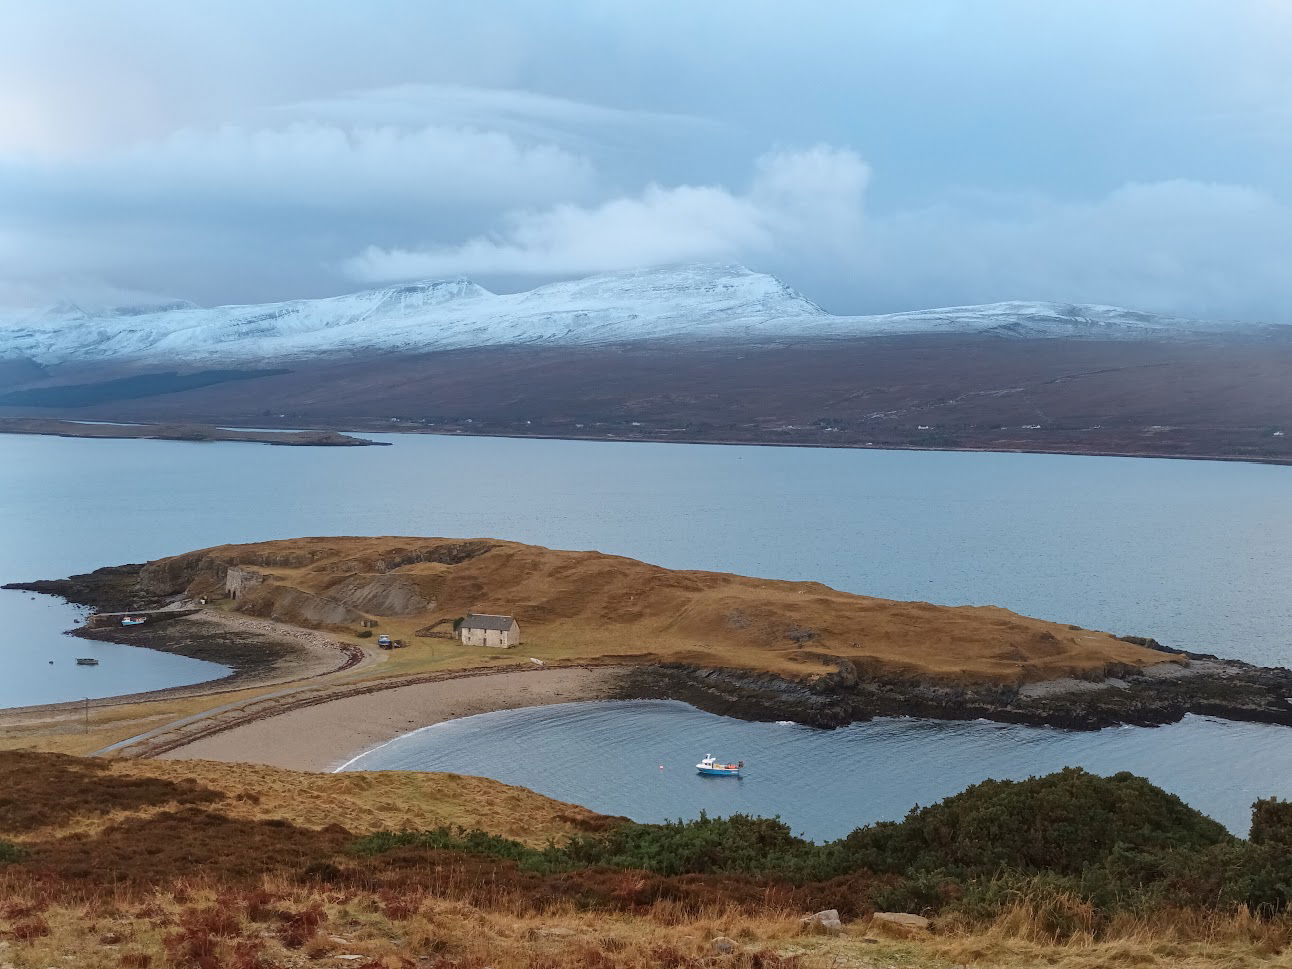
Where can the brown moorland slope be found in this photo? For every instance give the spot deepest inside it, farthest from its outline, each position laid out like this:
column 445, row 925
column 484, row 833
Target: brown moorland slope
column 56, row 796
column 148, row 865
column 588, row 606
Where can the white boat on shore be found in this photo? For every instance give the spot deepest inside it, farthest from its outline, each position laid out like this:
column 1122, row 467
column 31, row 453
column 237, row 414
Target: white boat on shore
column 710, row 767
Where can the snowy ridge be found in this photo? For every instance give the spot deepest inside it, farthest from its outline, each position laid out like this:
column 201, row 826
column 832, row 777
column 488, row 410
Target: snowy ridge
column 712, row 303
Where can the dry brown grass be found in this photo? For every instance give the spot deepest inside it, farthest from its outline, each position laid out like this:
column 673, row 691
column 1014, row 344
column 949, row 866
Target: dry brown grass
column 1189, row 939
column 279, row 922
column 590, row 606
column 44, row 796
column 152, row 865
column 372, row 801
column 65, row 731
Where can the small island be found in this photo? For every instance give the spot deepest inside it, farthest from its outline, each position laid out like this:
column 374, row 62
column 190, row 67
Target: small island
column 181, row 432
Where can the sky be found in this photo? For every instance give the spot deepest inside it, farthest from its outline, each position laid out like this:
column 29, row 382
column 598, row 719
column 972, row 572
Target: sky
column 877, row 156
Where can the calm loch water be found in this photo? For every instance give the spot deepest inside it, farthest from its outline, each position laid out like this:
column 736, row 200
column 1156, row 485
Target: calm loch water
column 638, row 758
column 1194, row 553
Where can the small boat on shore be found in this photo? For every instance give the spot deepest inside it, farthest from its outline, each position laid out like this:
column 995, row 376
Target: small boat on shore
column 86, row 661
column 710, row 767
column 133, row 621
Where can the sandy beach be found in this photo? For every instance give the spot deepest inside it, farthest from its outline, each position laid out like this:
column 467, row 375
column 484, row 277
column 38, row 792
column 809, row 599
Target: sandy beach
column 327, row 735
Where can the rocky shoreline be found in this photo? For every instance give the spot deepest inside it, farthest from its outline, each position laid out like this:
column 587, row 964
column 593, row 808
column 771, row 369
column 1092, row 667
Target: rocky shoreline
column 1207, row 685
column 113, row 588
column 254, row 655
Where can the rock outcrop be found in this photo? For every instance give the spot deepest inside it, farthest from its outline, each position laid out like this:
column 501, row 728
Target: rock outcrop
column 824, row 923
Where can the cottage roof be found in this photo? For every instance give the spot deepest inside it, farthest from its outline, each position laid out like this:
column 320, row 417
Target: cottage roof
column 500, row 623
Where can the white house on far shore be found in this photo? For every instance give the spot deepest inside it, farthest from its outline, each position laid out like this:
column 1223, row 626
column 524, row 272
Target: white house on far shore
column 486, row 630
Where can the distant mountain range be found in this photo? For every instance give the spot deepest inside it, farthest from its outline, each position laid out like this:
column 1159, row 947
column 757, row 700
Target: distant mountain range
column 699, row 353
column 724, row 304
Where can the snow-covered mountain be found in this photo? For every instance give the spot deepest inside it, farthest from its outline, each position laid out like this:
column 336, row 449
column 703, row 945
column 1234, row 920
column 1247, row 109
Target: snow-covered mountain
column 710, row 303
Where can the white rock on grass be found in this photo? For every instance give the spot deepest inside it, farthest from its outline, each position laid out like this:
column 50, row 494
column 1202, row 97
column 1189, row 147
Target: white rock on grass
column 826, row 922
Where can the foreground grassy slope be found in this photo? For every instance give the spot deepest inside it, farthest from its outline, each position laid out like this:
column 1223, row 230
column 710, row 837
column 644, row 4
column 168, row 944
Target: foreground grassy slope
column 49, row 795
column 588, row 606
column 150, row 865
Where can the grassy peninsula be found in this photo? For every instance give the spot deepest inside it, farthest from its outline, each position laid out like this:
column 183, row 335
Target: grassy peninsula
column 741, row 646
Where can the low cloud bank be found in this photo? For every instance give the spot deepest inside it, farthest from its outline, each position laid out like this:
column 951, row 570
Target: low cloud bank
column 415, row 182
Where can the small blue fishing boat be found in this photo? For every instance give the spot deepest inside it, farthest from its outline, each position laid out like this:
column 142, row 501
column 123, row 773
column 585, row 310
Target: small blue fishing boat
column 709, row 767
column 133, row 621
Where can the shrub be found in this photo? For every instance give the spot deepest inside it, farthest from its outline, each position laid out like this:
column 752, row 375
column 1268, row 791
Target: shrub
column 445, row 839
column 738, row 844
column 364, row 634
column 1061, row 823
column 24, row 930
column 1272, row 822
column 11, row 852
column 300, row 927
column 1256, row 875
column 1076, row 847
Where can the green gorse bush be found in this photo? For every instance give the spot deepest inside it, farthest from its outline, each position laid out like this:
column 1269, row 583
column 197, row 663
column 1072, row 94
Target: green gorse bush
column 1118, row 843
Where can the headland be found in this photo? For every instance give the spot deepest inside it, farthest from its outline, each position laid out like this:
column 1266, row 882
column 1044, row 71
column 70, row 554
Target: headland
column 296, row 619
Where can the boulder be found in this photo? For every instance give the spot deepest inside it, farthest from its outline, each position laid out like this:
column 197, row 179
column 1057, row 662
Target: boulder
column 827, row 922
column 901, row 924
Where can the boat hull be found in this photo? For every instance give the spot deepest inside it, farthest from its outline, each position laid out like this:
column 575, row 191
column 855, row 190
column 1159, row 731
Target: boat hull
column 719, row 771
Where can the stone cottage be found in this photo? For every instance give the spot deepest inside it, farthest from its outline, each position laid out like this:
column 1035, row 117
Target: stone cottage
column 485, row 630
column 239, row 580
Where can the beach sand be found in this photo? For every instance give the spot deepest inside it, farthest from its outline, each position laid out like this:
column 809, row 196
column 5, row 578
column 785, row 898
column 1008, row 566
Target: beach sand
column 327, row 735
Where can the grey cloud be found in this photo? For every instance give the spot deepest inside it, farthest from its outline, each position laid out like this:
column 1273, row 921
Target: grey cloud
column 1184, row 247
column 254, row 213
column 796, row 199
column 310, row 164
column 248, row 151
column 1180, row 246
column 526, row 115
